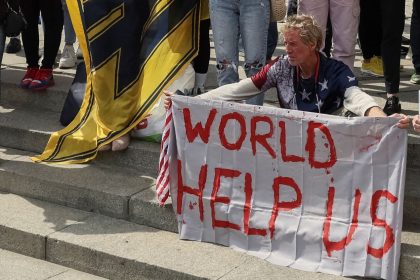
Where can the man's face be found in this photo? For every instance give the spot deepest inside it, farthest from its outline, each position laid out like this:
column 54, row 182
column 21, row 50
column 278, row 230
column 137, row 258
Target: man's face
column 298, row 52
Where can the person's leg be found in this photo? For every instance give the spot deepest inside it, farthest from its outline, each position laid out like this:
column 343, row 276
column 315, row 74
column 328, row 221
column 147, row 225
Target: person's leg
column 225, row 25
column 415, row 41
column 30, row 36
column 391, row 47
column 328, row 39
column 370, row 28
column 201, row 61
column 292, row 6
column 69, row 35
column 68, row 55
column 344, row 16
column 254, row 20
column 2, row 42
column 319, row 9
column 52, row 15
column 272, row 38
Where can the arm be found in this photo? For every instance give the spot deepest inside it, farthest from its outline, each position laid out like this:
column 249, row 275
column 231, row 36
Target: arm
column 242, row 90
column 360, row 103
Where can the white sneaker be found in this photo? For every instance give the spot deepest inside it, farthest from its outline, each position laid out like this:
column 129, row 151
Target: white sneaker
column 68, row 58
column 79, row 53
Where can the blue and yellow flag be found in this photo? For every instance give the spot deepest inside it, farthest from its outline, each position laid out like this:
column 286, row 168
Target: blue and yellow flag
column 132, row 49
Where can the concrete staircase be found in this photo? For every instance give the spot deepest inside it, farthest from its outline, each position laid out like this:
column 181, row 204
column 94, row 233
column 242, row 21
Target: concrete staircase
column 102, row 218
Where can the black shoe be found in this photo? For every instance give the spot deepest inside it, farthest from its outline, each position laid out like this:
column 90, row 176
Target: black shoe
column 13, row 46
column 392, row 106
column 403, row 51
column 405, row 41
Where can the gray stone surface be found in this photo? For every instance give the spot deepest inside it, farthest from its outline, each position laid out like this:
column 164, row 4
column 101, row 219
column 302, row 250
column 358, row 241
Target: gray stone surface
column 19, row 267
column 145, row 210
column 51, row 99
column 29, row 129
column 25, row 222
column 118, row 249
column 91, row 187
column 118, row 192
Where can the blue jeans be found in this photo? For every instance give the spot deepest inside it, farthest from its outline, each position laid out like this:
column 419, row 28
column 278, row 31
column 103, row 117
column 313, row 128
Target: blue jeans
column 248, row 19
column 415, row 35
column 69, row 36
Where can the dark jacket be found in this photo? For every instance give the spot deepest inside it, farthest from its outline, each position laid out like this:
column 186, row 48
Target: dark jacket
column 3, row 8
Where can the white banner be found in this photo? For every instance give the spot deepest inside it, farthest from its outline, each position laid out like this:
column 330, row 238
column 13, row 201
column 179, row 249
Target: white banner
column 309, row 191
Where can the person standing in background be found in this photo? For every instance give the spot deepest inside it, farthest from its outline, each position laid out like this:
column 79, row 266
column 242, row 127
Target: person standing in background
column 36, row 77
column 344, row 16
column 68, row 55
column 248, row 19
column 389, row 15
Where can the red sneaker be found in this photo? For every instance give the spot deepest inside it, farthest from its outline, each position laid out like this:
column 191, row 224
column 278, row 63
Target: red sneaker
column 29, row 76
column 43, row 79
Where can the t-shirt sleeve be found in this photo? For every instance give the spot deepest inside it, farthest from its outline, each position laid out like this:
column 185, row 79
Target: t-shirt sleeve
column 265, row 79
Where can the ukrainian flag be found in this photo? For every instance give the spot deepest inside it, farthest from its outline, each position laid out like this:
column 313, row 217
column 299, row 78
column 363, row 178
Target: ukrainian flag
column 132, row 49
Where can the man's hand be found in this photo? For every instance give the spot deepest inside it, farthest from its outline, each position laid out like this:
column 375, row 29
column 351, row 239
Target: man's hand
column 168, row 101
column 416, row 123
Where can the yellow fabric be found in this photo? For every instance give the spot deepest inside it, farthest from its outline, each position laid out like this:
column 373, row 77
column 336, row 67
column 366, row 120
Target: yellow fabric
column 111, row 109
column 205, row 13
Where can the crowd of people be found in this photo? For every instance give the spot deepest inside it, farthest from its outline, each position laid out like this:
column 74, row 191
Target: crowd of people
column 309, row 29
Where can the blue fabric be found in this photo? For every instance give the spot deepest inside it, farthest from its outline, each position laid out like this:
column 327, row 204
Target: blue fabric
column 334, row 79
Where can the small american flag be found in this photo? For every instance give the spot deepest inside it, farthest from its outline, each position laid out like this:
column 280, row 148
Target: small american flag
column 162, row 181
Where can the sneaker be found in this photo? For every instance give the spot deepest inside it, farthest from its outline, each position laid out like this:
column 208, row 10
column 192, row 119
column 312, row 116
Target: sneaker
column 79, row 53
column 13, row 46
column 392, row 105
column 43, row 79
column 415, row 79
column 193, row 91
column 373, row 67
column 29, row 76
column 68, row 58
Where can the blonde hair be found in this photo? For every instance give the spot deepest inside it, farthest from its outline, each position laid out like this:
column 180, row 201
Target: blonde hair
column 309, row 30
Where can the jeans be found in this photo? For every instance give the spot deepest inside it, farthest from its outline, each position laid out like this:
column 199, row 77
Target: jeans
column 248, row 19
column 69, row 35
column 415, row 35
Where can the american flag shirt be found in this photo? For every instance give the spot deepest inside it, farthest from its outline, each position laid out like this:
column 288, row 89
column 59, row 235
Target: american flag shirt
column 322, row 95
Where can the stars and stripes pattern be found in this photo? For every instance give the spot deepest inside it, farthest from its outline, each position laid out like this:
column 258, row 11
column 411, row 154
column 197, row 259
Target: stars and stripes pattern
column 162, row 181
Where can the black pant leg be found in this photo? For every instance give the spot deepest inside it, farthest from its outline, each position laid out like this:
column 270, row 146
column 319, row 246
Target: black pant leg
column 30, row 36
column 415, row 35
column 52, row 15
column 393, row 14
column 201, row 61
column 370, row 28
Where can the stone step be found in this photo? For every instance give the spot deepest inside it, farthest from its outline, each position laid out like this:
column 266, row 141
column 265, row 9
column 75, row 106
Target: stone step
column 118, row 192
column 114, row 191
column 28, row 128
column 51, row 99
column 15, row 266
column 118, row 249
